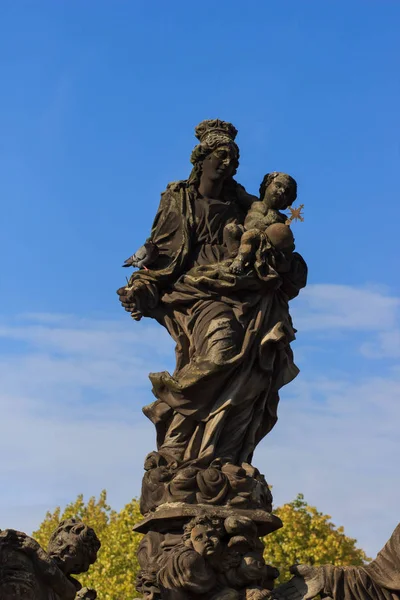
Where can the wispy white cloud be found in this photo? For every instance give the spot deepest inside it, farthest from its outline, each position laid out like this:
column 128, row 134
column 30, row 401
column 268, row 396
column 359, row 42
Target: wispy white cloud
column 72, row 390
column 328, row 310
column 386, row 345
column 70, row 403
column 331, row 306
column 337, row 442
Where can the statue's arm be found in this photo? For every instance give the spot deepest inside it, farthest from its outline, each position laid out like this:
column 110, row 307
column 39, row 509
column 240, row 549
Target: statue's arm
column 256, row 216
column 170, row 233
column 328, row 581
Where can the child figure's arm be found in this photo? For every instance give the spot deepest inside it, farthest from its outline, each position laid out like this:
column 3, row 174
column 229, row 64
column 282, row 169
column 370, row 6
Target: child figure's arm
column 260, row 217
column 256, row 216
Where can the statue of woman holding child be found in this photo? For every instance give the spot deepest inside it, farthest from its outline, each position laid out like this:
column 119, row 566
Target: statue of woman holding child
column 218, row 272
column 220, row 283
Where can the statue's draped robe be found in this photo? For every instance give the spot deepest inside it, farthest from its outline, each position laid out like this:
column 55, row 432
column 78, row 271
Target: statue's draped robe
column 232, row 332
column 379, row 580
column 186, row 570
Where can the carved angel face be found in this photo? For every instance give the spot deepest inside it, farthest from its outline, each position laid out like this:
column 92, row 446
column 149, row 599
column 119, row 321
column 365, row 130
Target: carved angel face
column 73, row 546
column 72, row 559
column 205, row 540
column 70, row 554
column 280, row 193
column 220, row 164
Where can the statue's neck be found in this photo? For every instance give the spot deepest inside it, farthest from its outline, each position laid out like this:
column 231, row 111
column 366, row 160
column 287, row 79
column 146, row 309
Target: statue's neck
column 210, row 189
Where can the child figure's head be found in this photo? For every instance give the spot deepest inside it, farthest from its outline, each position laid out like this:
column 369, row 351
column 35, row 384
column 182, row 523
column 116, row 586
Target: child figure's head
column 204, row 536
column 73, row 546
column 278, row 190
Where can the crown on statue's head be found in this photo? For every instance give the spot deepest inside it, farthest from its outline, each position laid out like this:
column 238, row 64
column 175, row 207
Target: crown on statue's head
column 212, row 128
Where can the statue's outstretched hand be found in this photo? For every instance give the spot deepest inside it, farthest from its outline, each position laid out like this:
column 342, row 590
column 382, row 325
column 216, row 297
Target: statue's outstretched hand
column 307, row 583
column 133, row 298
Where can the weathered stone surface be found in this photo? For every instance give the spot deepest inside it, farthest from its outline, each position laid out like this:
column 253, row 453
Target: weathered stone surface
column 379, row 580
column 172, row 517
column 232, row 330
column 86, row 594
column 27, row 572
column 217, row 271
column 220, row 557
column 219, row 484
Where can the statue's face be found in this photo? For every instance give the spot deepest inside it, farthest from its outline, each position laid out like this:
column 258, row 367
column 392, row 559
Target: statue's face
column 205, row 540
column 280, row 193
column 220, row 164
column 76, row 563
column 71, row 559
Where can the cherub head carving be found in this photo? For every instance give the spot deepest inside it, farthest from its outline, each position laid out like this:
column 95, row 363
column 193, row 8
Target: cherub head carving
column 204, row 536
column 278, row 190
column 73, row 546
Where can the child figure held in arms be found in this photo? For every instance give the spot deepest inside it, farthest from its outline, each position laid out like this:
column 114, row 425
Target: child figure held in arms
column 278, row 191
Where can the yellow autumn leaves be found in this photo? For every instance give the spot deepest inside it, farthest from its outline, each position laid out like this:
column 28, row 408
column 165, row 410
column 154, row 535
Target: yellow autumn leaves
column 309, row 537
column 114, row 573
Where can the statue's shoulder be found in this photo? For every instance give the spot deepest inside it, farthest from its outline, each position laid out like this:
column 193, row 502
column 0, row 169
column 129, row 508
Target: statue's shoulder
column 172, row 198
column 176, row 186
column 172, row 194
column 244, row 198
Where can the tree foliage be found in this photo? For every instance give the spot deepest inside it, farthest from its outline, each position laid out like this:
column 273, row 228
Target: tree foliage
column 307, row 537
column 114, row 573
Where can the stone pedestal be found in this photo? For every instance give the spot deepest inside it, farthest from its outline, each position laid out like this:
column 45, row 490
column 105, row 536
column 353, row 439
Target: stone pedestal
column 197, row 550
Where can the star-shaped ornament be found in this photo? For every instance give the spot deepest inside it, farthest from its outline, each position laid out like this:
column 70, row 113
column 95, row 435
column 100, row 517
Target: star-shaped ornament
column 296, row 214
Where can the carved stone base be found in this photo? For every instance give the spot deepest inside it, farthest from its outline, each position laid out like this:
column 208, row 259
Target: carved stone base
column 236, row 486
column 172, row 516
column 194, row 552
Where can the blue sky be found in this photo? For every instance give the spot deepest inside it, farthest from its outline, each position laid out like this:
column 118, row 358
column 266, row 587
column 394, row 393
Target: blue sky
column 98, row 106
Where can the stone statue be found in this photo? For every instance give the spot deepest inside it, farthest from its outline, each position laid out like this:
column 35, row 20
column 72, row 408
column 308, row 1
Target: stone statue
column 214, row 558
column 86, row 594
column 265, row 223
column 379, row 580
column 28, row 572
column 219, row 279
